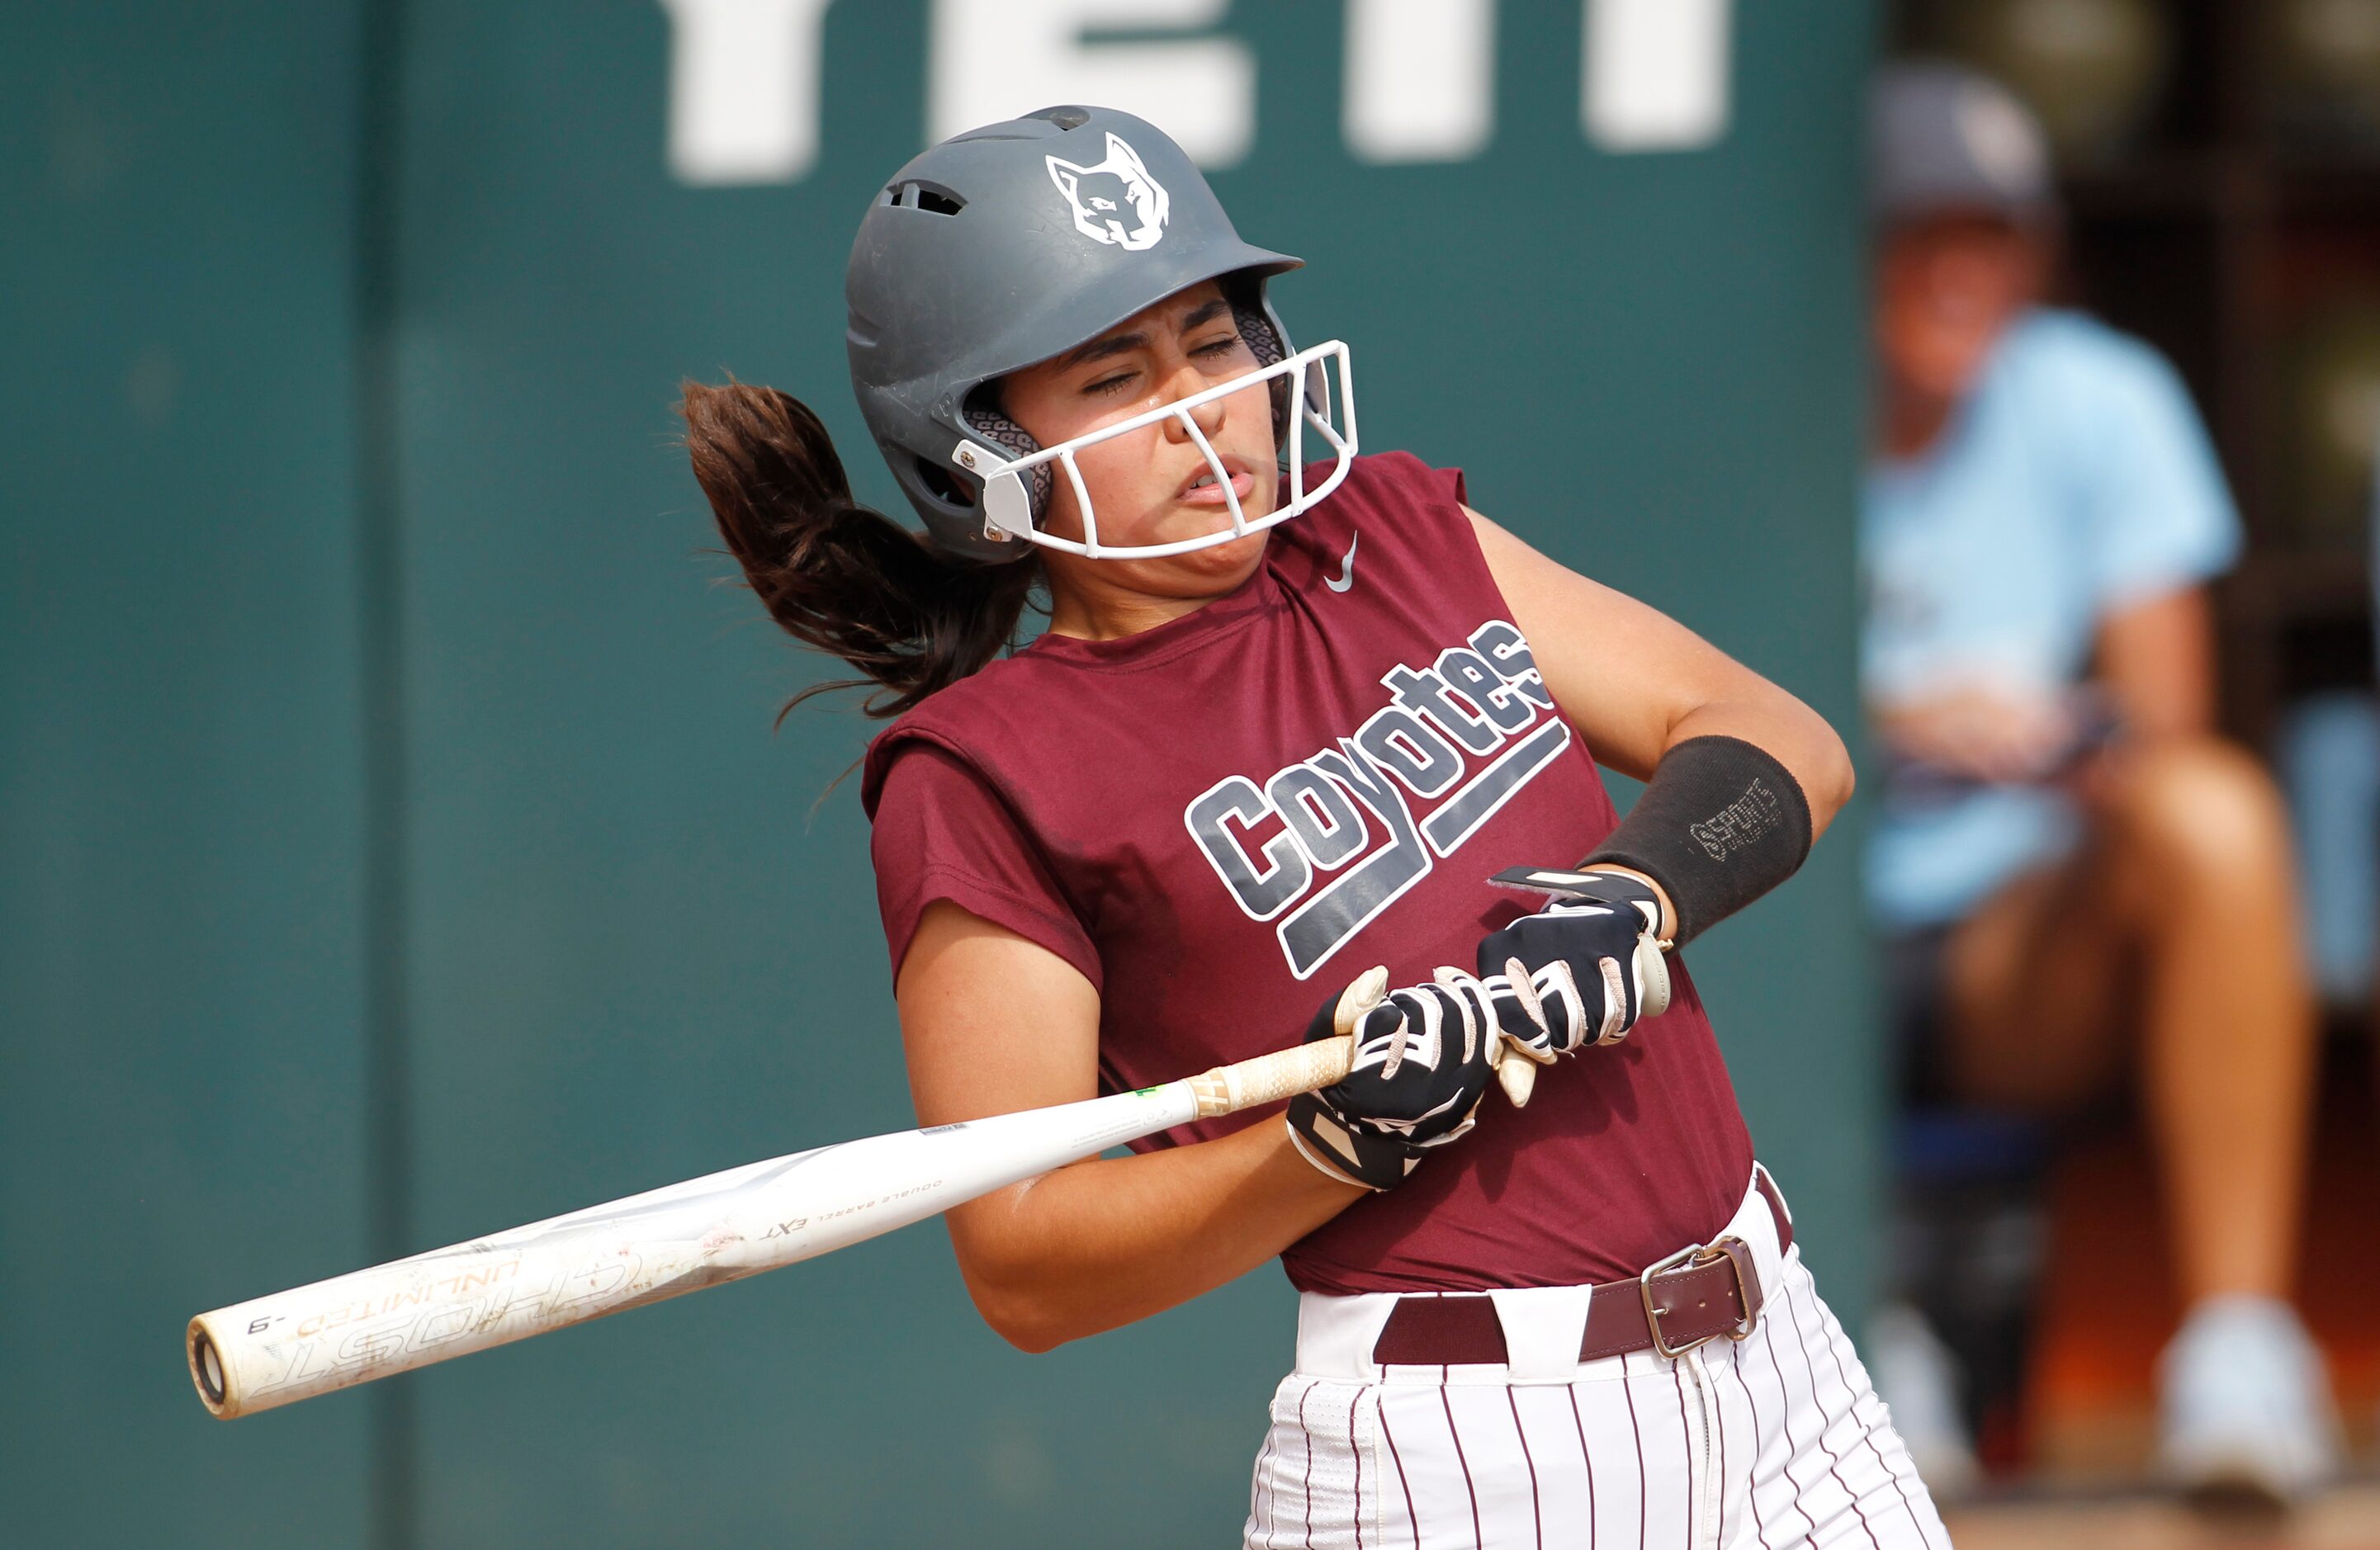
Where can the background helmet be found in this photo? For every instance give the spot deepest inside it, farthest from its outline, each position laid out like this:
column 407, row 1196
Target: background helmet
column 1009, row 245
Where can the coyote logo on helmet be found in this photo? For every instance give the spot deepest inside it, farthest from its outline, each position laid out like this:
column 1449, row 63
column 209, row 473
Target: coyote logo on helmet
column 1115, row 200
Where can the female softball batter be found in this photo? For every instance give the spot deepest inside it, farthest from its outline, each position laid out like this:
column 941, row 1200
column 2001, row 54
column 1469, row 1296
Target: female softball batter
column 1245, row 763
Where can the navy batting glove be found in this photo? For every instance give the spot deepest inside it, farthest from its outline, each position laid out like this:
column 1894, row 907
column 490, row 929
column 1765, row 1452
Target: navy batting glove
column 1581, row 970
column 1424, row 1059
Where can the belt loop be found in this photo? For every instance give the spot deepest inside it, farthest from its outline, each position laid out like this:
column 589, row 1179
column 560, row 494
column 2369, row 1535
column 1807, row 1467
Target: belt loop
column 1335, row 1335
column 1544, row 1328
column 1766, row 1229
column 1765, row 1182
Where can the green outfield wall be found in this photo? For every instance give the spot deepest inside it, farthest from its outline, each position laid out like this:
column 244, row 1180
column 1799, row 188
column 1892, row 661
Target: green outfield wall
column 394, row 844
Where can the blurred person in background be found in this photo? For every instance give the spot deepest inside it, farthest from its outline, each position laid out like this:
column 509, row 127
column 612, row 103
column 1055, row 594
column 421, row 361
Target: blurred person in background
column 2079, row 884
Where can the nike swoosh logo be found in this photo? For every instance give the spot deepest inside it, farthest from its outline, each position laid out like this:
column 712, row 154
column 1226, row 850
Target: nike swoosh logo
column 1346, row 576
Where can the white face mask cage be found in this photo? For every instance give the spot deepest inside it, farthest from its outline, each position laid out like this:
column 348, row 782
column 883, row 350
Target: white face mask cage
column 1008, row 509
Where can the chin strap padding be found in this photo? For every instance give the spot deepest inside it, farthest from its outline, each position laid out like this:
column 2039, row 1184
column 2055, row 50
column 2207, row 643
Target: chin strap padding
column 1256, row 330
column 987, row 419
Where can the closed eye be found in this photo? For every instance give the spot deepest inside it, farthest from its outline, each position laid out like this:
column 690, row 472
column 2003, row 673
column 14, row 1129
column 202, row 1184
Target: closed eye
column 1115, row 383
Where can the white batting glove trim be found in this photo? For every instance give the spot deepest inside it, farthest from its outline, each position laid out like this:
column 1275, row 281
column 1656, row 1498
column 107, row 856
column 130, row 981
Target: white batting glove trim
column 1648, row 913
column 1325, row 1165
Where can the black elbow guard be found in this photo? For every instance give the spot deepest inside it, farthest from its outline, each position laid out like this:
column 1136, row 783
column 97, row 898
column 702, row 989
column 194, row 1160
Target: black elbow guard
column 1720, row 823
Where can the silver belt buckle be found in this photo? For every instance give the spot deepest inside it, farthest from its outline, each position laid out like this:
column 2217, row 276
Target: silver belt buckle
column 1695, row 1258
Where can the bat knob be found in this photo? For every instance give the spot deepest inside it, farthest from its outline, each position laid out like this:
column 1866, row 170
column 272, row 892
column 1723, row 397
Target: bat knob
column 1517, row 1074
column 206, row 1369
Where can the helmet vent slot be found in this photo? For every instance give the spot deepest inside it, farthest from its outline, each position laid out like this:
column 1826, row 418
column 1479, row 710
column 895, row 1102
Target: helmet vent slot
column 1065, row 119
column 932, row 198
column 937, row 479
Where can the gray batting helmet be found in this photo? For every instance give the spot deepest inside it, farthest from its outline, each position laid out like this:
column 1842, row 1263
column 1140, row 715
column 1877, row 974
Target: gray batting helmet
column 1009, row 245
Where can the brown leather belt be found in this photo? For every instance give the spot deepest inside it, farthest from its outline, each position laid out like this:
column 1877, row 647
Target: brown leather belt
column 1690, row 1298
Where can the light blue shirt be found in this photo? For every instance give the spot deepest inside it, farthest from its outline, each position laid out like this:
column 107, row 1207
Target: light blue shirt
column 2075, row 481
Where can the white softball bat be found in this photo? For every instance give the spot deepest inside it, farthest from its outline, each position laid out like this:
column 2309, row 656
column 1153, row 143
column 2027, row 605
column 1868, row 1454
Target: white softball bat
column 723, row 1227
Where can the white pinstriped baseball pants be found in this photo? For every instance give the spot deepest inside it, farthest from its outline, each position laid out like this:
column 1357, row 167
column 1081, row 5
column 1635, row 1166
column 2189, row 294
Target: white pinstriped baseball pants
column 1775, row 1441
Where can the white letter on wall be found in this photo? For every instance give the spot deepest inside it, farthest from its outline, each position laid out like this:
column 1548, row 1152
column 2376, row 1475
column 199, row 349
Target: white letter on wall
column 993, row 59
column 744, row 88
column 1420, row 79
column 1655, row 73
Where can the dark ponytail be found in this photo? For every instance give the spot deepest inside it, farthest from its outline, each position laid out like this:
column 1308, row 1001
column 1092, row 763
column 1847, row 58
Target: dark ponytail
column 838, row 576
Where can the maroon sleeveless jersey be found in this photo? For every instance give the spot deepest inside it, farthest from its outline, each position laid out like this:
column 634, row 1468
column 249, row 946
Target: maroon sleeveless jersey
column 1222, row 821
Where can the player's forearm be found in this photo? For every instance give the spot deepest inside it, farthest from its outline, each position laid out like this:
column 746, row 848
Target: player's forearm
column 1105, row 1242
